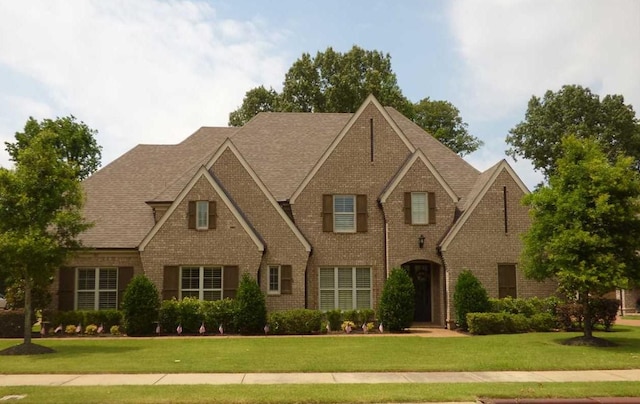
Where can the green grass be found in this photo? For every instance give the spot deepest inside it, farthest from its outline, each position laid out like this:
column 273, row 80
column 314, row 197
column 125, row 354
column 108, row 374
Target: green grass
column 345, row 393
column 535, row 351
column 631, row 317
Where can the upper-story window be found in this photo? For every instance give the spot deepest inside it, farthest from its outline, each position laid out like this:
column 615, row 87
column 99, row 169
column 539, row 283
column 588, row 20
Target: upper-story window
column 202, row 215
column 344, row 213
column 419, row 208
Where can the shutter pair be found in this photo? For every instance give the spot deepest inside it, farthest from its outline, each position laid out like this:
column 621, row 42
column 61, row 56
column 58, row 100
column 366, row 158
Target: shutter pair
column 67, row 283
column 431, row 202
column 171, row 281
column 361, row 213
column 192, row 212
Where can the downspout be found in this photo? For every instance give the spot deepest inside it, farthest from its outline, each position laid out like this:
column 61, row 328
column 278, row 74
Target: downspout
column 447, row 309
column 385, row 241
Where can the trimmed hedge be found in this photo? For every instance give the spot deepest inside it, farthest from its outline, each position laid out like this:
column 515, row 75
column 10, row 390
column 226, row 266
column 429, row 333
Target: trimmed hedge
column 507, row 323
column 295, row 322
column 469, row 296
column 528, row 306
column 12, row 323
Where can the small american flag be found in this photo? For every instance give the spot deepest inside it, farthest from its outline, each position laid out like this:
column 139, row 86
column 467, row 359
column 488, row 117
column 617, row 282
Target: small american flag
column 221, row 330
column 266, row 328
column 202, row 330
column 364, row 328
column 79, row 329
column 58, row 329
column 100, row 329
column 179, row 329
column 381, row 328
column 158, row 329
column 43, row 331
column 348, row 329
column 328, row 328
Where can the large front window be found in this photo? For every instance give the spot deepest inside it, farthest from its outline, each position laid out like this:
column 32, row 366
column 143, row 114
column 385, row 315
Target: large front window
column 204, row 283
column 97, row 288
column 345, row 288
column 344, row 213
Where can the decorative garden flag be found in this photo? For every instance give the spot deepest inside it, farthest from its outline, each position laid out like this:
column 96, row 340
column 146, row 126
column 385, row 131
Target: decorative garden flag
column 328, row 328
column 179, row 329
column 364, row 327
column 381, row 328
column 158, row 329
column 42, row 329
column 221, row 330
column 202, row 330
column 58, row 329
column 79, row 329
column 348, row 328
column 100, row 329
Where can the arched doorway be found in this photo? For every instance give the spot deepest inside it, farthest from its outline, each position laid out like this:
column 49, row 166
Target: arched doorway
column 422, row 272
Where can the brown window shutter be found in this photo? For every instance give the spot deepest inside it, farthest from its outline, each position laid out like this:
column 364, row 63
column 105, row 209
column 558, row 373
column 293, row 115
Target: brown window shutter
column 66, row 286
column 431, row 197
column 361, row 213
column 124, row 277
column 230, row 280
column 212, row 214
column 286, row 287
column 170, row 283
column 191, row 215
column 507, row 281
column 407, row 207
column 327, row 212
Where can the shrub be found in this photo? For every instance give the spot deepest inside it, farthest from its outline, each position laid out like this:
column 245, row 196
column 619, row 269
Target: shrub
column 604, row 311
column 251, row 309
column 542, row 322
column 366, row 316
column 91, row 329
column 107, row 318
column 218, row 312
column 115, row 330
column 347, row 326
column 140, row 306
column 70, row 329
column 12, row 323
column 189, row 315
column 351, row 315
column 569, row 316
column 334, row 319
column 497, row 323
column 397, row 302
column 168, row 315
column 469, row 297
column 295, row 322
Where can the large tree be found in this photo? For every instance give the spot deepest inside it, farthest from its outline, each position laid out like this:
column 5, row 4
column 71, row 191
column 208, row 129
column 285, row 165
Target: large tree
column 75, row 141
column 585, row 230
column 40, row 217
column 339, row 82
column 574, row 110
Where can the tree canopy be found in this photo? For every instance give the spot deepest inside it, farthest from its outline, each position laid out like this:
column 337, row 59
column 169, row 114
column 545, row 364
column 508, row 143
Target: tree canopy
column 585, row 228
column 339, row 82
column 574, row 110
column 40, row 214
column 74, row 141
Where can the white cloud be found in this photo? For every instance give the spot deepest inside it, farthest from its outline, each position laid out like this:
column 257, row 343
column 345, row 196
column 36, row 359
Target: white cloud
column 148, row 71
column 515, row 49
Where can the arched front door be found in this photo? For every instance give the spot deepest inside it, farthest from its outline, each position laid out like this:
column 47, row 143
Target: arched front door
column 420, row 272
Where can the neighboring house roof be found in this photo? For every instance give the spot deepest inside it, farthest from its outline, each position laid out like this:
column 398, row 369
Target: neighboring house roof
column 203, row 172
column 480, row 188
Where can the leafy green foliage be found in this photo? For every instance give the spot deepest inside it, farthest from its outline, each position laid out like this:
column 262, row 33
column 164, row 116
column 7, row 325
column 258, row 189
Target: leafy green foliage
column 256, row 100
column 586, row 224
column 508, row 323
column 295, row 322
column 251, row 308
column 219, row 312
column 397, row 303
column 334, row 319
column 140, row 306
column 574, row 110
column 603, row 311
column 529, row 306
column 469, row 297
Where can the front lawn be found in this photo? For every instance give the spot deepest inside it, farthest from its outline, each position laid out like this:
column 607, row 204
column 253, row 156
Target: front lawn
column 353, row 353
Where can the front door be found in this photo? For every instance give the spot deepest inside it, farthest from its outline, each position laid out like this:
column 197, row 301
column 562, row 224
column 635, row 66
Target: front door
column 421, row 275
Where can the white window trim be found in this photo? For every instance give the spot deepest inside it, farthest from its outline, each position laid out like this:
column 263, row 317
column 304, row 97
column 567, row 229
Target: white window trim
column 201, row 288
column 353, row 214
column 96, row 289
column 426, row 208
column 205, row 225
column 354, row 289
column 269, row 290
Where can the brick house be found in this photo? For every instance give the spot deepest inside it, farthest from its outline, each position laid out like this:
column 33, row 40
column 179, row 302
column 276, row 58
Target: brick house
column 318, row 207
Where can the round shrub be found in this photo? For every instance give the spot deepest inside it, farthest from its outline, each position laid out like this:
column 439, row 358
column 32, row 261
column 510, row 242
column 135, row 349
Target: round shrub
column 334, row 319
column 168, row 316
column 251, row 309
column 189, row 315
column 218, row 312
column 397, row 302
column 140, row 306
column 469, row 297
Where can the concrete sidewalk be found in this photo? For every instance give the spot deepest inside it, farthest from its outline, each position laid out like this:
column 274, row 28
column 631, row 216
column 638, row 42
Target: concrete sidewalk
column 318, row 378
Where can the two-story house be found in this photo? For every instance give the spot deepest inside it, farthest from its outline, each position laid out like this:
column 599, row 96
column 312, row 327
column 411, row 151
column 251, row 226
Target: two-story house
column 318, row 207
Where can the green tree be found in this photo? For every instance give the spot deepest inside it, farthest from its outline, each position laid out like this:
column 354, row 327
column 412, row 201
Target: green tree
column 40, row 217
column 339, row 82
column 586, row 224
column 397, row 303
column 469, row 296
column 251, row 308
column 443, row 121
column 574, row 110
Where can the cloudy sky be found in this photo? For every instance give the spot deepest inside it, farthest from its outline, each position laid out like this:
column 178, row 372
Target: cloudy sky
column 151, row 71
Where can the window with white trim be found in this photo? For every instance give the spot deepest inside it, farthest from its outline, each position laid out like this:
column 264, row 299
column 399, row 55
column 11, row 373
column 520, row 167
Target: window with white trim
column 419, row 208
column 344, row 213
column 202, row 215
column 204, row 283
column 96, row 288
column 274, row 280
column 345, row 288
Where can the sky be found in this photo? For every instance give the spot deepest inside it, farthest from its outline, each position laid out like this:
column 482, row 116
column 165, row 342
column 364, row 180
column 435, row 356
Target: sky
column 153, row 72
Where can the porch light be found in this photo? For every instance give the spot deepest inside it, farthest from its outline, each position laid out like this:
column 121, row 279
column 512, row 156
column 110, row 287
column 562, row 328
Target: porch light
column 421, row 241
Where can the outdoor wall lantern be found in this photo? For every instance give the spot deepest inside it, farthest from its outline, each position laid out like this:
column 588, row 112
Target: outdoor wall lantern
column 421, row 241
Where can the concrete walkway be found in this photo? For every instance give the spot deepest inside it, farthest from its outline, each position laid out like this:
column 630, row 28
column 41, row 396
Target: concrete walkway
column 318, row 378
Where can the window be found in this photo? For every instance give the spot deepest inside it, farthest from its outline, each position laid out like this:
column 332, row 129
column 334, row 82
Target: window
column 202, row 215
column 507, row 281
column 419, row 208
column 274, row 280
column 204, row 283
column 345, row 288
column 97, row 288
column 344, row 213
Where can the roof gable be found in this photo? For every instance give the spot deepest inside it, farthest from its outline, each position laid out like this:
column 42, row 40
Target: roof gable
column 203, row 172
column 486, row 180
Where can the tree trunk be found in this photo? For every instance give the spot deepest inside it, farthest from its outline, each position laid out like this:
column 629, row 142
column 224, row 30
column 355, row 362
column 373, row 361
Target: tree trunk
column 587, row 323
column 27, row 310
